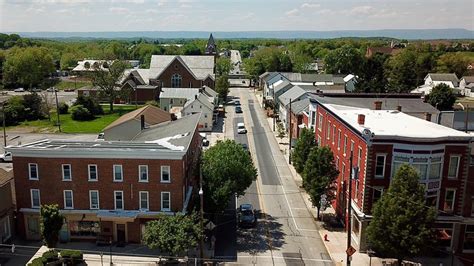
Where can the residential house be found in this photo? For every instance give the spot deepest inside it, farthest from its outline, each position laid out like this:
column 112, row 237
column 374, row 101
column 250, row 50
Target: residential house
column 200, row 104
column 285, row 100
column 176, row 97
column 380, row 142
column 130, row 124
column 385, row 50
column 457, row 119
column 433, row 79
column 108, row 190
column 300, row 116
column 466, row 85
column 7, row 205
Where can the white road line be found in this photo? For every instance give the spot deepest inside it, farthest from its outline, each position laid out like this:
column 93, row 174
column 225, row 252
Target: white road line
column 276, row 257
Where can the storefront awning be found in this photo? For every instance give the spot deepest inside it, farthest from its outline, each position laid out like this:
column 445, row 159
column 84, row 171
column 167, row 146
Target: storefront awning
column 117, row 214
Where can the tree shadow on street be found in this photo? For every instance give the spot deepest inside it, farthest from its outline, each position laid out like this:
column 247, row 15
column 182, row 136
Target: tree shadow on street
column 267, row 232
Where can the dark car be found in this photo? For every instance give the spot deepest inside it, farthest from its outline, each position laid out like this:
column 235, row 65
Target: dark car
column 238, row 110
column 246, row 148
column 236, row 102
column 247, row 216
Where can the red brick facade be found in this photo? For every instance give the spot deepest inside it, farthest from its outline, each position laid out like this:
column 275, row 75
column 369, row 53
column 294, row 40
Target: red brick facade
column 187, row 78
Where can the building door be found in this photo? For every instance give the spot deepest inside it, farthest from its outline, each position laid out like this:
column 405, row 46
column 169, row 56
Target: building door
column 120, row 233
column 33, row 230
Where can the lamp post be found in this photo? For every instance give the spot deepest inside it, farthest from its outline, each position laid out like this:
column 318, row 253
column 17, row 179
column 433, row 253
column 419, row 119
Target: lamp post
column 201, row 196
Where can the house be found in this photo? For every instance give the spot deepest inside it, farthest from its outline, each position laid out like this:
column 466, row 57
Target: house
column 7, row 205
column 176, row 97
column 433, row 79
column 457, row 120
column 204, row 105
column 108, row 190
column 286, row 99
column 381, row 141
column 385, row 50
column 300, row 116
column 466, row 85
column 130, row 124
column 136, row 82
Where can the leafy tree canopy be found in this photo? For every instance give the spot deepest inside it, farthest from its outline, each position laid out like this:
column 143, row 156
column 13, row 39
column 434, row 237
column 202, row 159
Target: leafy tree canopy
column 442, row 97
column 51, row 222
column 304, row 144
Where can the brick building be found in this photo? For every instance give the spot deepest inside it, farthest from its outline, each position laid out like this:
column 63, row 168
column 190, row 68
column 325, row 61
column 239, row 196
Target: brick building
column 107, row 190
column 383, row 140
column 7, row 205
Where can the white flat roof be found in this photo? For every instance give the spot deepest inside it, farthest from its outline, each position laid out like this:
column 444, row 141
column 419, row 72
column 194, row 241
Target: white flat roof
column 395, row 124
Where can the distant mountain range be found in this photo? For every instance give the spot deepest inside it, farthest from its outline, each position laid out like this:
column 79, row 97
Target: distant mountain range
column 411, row 34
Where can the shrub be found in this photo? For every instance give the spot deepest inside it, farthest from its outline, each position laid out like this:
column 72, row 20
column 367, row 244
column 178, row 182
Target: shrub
column 38, row 262
column 74, row 256
column 50, row 255
column 79, row 113
column 63, row 108
column 90, row 104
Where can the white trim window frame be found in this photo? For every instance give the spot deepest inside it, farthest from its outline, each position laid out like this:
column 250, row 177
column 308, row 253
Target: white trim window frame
column 33, row 205
column 144, row 195
column 116, row 166
column 339, row 140
column 344, row 150
column 66, row 206
column 66, row 168
column 30, row 168
column 96, row 173
column 164, row 168
column 446, row 208
column 143, row 175
column 118, row 192
column 458, row 162
column 320, row 122
column 333, row 134
column 328, row 131
column 168, row 201
column 377, row 156
column 94, row 206
column 359, row 158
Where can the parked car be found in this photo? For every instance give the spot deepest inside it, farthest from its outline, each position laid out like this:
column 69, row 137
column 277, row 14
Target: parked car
column 245, row 147
column 236, row 102
column 6, row 157
column 238, row 110
column 52, row 90
column 205, row 141
column 100, row 137
column 241, row 128
column 247, row 216
column 19, row 90
column 36, row 90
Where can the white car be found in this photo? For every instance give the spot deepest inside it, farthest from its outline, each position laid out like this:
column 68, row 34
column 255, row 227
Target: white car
column 6, row 157
column 100, row 137
column 19, row 90
column 241, row 128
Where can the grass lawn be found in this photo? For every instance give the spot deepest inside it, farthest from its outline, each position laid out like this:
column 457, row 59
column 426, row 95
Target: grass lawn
column 70, row 126
column 68, row 84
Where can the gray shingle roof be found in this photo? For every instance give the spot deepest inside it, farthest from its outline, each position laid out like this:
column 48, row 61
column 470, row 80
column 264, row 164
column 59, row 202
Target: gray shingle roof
column 200, row 66
column 300, row 106
column 293, row 94
column 443, row 77
column 179, row 93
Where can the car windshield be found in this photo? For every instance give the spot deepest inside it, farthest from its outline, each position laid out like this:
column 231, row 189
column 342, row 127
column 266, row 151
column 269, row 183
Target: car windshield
column 247, row 212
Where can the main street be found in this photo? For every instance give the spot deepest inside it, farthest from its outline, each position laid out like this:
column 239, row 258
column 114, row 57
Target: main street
column 286, row 233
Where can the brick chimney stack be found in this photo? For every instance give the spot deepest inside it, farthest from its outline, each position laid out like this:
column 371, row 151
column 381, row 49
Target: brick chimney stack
column 428, row 117
column 378, row 105
column 399, row 108
column 361, row 119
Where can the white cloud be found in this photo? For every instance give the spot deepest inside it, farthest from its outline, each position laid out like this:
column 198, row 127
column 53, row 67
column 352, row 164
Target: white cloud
column 292, row 13
column 152, row 11
column 129, row 1
column 361, row 10
column 119, row 10
column 310, row 5
column 185, row 6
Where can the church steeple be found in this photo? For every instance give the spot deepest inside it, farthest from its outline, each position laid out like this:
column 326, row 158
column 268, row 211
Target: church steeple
column 211, row 48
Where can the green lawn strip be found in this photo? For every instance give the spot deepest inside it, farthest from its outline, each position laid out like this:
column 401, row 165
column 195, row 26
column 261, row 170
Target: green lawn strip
column 71, row 126
column 68, row 84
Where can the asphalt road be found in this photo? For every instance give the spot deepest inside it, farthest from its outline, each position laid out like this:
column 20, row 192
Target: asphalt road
column 286, row 233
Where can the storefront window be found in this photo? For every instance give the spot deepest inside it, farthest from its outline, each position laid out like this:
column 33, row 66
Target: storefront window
column 444, row 235
column 84, row 228
column 469, row 238
column 427, row 168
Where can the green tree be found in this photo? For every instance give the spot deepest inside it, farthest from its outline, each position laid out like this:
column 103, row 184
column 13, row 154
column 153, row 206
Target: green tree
column 27, row 66
column 303, row 146
column 51, row 222
column 223, row 66
column 227, row 170
column 372, row 77
column 222, row 87
column 281, row 131
column 344, row 60
column 401, row 223
column 106, row 79
column 453, row 63
column 173, row 234
column 319, row 175
column 442, row 97
column 400, row 71
column 68, row 61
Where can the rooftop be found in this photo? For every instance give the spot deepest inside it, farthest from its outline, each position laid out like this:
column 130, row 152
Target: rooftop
column 200, row 66
column 292, row 94
column 443, row 77
column 179, row 93
column 152, row 114
column 391, row 124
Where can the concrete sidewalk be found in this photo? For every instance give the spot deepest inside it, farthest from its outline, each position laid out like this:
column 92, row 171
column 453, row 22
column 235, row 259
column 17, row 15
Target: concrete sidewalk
column 337, row 243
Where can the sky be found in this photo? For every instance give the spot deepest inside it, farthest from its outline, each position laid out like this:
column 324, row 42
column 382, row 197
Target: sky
column 232, row 15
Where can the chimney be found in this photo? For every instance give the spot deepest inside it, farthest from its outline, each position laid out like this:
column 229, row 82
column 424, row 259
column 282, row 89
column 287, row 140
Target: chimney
column 378, row 105
column 428, row 117
column 142, row 122
column 361, row 119
column 195, row 97
column 399, row 108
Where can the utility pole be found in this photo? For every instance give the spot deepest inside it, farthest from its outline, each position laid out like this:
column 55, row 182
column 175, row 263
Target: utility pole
column 4, row 129
column 136, row 104
column 466, row 121
column 201, row 196
column 348, row 261
column 290, row 135
column 57, row 108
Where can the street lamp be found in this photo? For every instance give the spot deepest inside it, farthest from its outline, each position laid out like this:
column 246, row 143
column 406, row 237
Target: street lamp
column 201, row 196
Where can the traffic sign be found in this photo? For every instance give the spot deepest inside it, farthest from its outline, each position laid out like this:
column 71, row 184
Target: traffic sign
column 350, row 250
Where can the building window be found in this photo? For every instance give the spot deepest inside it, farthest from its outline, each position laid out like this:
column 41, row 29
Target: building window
column 472, row 206
column 435, row 168
column 449, row 199
column 93, row 175
column 469, row 238
column 84, row 228
column 345, row 145
column 444, row 235
column 33, row 171
column 35, row 198
column 432, row 199
column 118, row 174
column 359, row 158
column 143, row 173
column 5, row 231
column 328, row 131
column 67, row 175
column 118, row 200
column 333, row 134
column 144, row 200
column 165, row 201
column 320, row 122
column 165, row 174
column 313, row 118
column 68, row 199
column 352, row 146
column 205, row 125
column 94, row 199
column 427, row 168
column 176, row 81
column 377, row 194
column 339, row 140
column 453, row 166
column 337, row 162
column 380, row 165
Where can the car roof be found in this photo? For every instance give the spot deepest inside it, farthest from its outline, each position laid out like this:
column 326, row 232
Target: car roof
column 246, row 206
column 240, row 124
